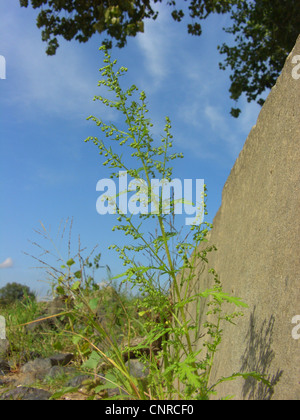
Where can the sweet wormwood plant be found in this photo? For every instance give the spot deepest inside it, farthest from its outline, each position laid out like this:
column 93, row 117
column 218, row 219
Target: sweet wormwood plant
column 177, row 369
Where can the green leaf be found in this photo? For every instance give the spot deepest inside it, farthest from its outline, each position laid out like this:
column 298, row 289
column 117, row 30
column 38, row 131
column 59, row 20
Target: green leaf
column 107, row 385
column 70, row 262
column 78, row 274
column 93, row 361
column 221, row 296
column 188, row 371
column 58, row 346
column 60, row 290
column 76, row 285
column 93, row 303
column 64, row 391
column 76, row 339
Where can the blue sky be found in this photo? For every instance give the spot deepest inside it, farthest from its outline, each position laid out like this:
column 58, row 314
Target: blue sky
column 49, row 174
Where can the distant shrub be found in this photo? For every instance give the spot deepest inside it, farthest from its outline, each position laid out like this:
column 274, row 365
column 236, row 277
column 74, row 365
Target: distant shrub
column 13, row 292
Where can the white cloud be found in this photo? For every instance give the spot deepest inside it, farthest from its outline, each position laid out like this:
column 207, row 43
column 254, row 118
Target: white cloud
column 211, row 131
column 62, row 85
column 57, row 85
column 214, row 117
column 7, row 263
column 155, row 44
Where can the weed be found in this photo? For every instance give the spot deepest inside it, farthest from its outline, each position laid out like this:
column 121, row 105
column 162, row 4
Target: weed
column 177, row 369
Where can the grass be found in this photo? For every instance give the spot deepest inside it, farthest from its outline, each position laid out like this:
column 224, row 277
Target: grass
column 78, row 333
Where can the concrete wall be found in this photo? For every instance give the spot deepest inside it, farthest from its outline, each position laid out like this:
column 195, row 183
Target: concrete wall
column 257, row 234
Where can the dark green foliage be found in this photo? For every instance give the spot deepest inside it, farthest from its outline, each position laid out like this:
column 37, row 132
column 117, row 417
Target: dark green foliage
column 265, row 31
column 13, row 292
column 81, row 19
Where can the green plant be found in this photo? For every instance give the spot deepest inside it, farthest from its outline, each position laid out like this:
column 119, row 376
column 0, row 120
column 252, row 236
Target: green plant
column 24, row 342
column 95, row 319
column 177, row 368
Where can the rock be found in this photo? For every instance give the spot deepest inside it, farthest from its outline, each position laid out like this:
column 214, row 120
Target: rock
column 4, row 347
column 56, row 371
column 55, row 367
column 24, row 393
column 78, row 381
column 37, row 370
column 137, row 369
column 61, row 359
column 130, row 352
column 4, row 367
column 68, row 372
column 56, row 306
column 27, row 356
column 3, row 382
column 40, row 323
column 37, row 365
column 26, row 379
column 108, row 298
